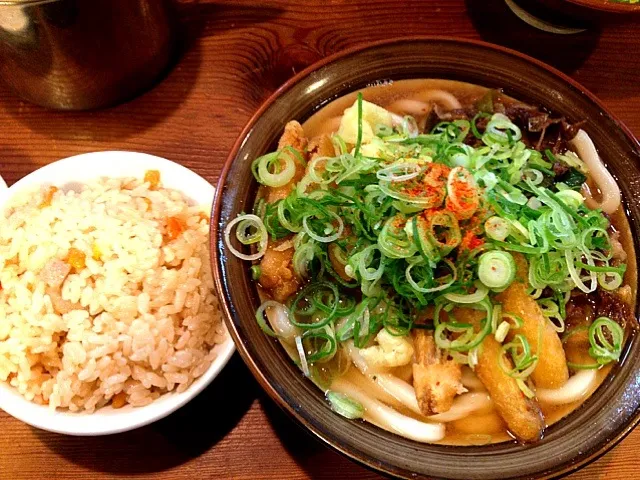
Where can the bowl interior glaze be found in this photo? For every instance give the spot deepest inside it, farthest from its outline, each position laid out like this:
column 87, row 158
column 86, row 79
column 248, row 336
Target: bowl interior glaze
column 604, row 419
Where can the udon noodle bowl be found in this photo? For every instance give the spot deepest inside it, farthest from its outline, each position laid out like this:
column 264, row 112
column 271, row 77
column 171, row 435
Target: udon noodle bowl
column 444, row 261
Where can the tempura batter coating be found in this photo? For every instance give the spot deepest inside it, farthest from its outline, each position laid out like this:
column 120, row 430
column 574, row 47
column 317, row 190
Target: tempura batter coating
column 436, row 379
column 551, row 371
column 293, row 137
column 321, row 146
column 276, row 271
column 522, row 415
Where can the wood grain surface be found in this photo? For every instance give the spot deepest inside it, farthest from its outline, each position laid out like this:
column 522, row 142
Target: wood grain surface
column 233, row 54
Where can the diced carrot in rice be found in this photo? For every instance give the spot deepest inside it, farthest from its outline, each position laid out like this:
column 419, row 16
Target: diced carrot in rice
column 175, row 227
column 76, row 259
column 119, row 400
column 152, row 177
column 48, row 196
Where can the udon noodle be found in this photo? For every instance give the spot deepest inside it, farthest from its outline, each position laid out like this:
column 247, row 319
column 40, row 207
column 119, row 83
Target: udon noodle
column 604, row 181
column 444, row 261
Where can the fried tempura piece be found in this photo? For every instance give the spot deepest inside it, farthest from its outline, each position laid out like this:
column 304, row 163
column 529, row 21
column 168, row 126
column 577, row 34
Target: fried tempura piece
column 436, row 380
column 552, row 370
column 577, row 347
column 522, row 416
column 276, row 271
column 321, row 146
column 293, row 136
column 522, row 268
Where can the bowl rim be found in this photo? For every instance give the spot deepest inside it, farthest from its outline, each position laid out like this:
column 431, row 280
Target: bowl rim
column 378, row 466
column 118, row 421
column 607, row 6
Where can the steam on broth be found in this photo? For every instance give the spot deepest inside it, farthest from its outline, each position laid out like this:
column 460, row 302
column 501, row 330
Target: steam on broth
column 444, row 261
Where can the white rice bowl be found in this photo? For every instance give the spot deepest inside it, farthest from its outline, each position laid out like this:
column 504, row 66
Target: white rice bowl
column 102, row 304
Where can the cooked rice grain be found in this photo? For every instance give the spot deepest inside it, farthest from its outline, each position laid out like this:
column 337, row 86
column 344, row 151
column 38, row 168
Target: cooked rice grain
column 136, row 316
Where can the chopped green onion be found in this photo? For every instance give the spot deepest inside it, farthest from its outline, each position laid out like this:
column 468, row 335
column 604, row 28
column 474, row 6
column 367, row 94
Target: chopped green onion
column 524, row 388
column 250, row 230
column 399, row 172
column 302, row 257
column 276, row 169
column 474, row 121
column 260, row 313
column 605, row 337
column 571, row 198
column 518, row 351
column 302, row 355
column 365, row 260
column 393, row 240
column 399, row 216
column 345, row 405
column 501, row 130
column 502, row 331
column 434, row 285
column 359, row 137
column 551, row 310
column 479, row 295
column 430, row 200
column 496, row 269
column 497, row 228
column 610, row 280
column 533, row 175
column 255, row 272
column 467, row 337
column 383, row 130
column 437, row 234
column 318, row 302
column 323, row 344
column 330, row 232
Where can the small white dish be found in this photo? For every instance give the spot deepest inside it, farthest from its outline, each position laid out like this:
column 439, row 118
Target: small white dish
column 65, row 174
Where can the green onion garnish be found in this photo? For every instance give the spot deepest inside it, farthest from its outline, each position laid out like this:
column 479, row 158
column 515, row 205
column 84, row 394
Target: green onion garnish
column 396, row 220
column 345, row 405
column 496, row 269
column 255, row 272
column 605, row 338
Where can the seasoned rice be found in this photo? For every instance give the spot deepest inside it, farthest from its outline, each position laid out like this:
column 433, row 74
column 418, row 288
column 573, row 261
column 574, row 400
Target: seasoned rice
column 106, row 295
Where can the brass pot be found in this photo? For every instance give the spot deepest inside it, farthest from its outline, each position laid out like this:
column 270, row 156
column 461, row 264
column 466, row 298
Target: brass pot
column 83, row 54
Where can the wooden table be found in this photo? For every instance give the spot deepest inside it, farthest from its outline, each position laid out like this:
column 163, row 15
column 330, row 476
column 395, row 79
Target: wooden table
column 234, row 54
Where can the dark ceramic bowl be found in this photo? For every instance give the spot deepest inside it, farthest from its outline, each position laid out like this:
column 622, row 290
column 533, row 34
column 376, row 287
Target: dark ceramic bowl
column 610, row 6
column 591, row 10
column 600, row 423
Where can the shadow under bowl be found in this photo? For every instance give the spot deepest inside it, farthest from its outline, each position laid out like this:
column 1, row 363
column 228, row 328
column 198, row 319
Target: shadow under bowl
column 591, row 430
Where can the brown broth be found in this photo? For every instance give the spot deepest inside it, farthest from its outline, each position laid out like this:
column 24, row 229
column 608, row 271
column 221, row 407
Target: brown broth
column 485, row 426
